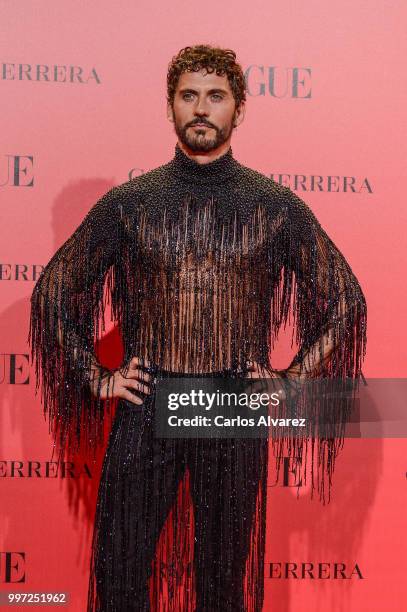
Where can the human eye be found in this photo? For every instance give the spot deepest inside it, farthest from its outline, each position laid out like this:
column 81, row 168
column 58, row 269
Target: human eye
column 218, row 96
column 187, row 96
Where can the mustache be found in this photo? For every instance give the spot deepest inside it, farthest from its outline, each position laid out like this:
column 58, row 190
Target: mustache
column 200, row 121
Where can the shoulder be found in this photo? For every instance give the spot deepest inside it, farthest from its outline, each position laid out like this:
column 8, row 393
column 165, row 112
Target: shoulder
column 267, row 188
column 118, row 200
column 122, row 192
column 143, row 188
column 280, row 200
column 149, row 181
column 260, row 183
column 126, row 200
column 288, row 201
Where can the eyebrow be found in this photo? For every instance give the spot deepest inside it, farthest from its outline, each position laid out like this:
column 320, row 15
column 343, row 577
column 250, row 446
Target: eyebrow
column 215, row 90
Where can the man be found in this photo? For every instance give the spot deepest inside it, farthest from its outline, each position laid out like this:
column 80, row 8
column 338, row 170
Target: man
column 201, row 258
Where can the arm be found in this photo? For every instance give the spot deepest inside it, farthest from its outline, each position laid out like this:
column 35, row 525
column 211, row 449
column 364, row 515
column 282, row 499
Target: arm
column 66, row 306
column 329, row 306
column 330, row 317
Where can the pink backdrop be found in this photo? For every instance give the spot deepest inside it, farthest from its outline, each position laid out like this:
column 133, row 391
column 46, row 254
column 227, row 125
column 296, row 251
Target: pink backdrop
column 327, row 99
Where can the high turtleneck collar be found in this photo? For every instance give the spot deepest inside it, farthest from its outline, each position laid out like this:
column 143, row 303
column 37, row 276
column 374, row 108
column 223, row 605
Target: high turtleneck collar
column 216, row 171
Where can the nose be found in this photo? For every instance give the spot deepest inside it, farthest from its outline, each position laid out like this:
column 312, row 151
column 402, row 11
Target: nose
column 200, row 108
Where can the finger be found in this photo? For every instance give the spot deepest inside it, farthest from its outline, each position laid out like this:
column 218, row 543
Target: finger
column 143, row 375
column 258, row 370
column 136, row 386
column 136, row 373
column 254, row 366
column 139, row 369
column 131, row 397
column 140, row 361
column 250, row 371
column 110, row 386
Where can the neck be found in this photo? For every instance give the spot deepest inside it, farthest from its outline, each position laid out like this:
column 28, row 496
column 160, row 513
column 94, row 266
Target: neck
column 218, row 170
column 205, row 157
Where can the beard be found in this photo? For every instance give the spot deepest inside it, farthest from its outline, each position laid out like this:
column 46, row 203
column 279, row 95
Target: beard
column 201, row 140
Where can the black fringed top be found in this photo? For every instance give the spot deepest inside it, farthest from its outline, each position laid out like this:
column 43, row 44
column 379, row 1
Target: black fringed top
column 203, row 264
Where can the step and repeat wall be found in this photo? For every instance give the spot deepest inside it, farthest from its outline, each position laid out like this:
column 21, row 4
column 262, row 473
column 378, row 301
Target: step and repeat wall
column 83, row 108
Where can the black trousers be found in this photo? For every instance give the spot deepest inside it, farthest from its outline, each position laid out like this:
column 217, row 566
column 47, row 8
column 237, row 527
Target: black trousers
column 139, row 485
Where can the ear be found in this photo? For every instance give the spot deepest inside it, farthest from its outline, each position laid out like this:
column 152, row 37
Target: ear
column 239, row 114
column 170, row 113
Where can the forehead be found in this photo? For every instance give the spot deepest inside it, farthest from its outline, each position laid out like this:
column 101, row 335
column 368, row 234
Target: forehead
column 203, row 81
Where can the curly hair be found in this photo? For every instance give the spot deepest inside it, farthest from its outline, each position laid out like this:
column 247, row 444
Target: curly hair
column 193, row 59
